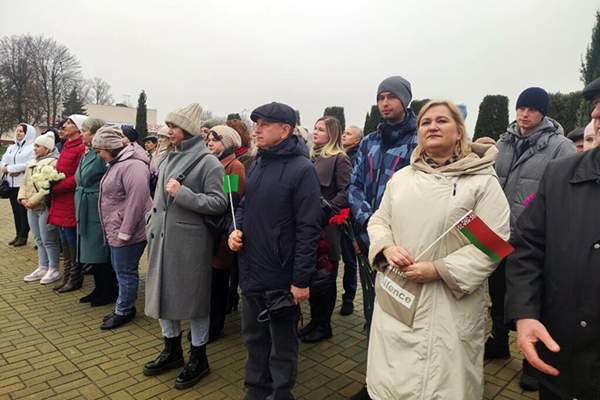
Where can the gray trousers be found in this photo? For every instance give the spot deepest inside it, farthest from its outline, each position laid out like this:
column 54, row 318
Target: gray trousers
column 272, row 363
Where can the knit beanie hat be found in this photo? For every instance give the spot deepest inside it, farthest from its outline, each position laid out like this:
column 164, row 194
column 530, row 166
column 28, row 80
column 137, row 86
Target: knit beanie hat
column 130, row 133
column 211, row 123
column 534, row 97
column 229, row 136
column 108, row 138
column 398, row 86
column 187, row 118
column 164, row 131
column 93, row 124
column 78, row 120
column 46, row 140
column 589, row 130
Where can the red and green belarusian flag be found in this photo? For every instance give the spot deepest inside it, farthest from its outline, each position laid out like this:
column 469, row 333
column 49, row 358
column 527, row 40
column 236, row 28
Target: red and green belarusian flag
column 483, row 237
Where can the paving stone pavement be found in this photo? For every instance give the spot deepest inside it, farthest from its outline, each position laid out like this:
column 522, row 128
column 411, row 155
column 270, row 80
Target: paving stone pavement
column 51, row 347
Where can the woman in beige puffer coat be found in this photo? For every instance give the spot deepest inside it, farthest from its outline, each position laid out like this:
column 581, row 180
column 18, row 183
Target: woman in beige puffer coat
column 427, row 336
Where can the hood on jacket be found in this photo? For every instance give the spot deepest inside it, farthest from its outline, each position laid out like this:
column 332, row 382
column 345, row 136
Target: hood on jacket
column 290, row 146
column 29, row 135
column 132, row 151
column 479, row 162
column 542, row 133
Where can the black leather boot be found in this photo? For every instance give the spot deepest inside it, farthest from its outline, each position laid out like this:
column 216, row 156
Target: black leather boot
column 21, row 242
column 196, row 369
column 15, row 240
column 233, row 300
column 88, row 269
column 314, row 317
column 98, row 285
column 171, row 357
column 75, row 276
column 66, row 267
column 110, row 291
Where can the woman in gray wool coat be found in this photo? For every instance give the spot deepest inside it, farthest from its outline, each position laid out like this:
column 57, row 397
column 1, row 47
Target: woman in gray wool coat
column 180, row 246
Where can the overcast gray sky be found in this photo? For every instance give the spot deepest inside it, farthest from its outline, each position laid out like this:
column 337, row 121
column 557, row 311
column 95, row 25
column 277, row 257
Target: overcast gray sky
column 235, row 55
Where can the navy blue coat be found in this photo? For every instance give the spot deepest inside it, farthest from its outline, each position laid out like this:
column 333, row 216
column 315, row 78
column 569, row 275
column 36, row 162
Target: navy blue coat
column 279, row 217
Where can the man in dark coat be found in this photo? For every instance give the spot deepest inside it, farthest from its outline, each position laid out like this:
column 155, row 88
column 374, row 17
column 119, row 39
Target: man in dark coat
column 552, row 278
column 279, row 217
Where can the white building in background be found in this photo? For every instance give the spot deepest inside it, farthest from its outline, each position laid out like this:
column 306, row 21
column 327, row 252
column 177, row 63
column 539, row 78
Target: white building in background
column 121, row 115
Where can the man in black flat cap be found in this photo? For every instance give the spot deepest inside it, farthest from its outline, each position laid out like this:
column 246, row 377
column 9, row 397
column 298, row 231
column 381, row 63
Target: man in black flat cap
column 277, row 236
column 553, row 276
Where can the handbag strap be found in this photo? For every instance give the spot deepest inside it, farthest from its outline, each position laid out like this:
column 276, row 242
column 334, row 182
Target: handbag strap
column 189, row 169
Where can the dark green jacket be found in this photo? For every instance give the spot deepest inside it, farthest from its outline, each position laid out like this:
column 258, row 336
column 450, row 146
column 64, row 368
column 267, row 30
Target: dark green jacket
column 90, row 239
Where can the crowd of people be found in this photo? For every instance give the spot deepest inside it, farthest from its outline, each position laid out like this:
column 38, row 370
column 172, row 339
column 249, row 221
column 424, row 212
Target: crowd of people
column 220, row 208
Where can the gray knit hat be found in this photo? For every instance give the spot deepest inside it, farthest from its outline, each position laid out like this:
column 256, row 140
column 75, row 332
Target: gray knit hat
column 108, row 138
column 229, row 136
column 187, row 118
column 398, row 86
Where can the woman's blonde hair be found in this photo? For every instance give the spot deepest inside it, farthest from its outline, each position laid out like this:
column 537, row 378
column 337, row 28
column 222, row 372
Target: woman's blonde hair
column 462, row 148
column 334, row 146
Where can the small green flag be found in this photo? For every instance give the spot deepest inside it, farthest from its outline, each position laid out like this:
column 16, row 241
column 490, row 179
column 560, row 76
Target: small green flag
column 230, row 183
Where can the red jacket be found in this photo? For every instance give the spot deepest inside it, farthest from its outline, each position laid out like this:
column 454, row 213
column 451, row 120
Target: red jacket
column 62, row 208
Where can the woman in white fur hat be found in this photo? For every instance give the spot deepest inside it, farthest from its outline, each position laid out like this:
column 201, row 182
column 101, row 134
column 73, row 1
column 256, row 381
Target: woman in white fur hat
column 30, row 197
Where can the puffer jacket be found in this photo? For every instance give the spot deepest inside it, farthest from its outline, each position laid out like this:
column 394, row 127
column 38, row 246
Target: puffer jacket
column 28, row 189
column 62, row 209
column 523, row 159
column 439, row 353
column 17, row 157
column 380, row 155
column 125, row 197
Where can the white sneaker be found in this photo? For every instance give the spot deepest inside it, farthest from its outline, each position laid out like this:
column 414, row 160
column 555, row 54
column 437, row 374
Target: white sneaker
column 51, row 276
column 36, row 275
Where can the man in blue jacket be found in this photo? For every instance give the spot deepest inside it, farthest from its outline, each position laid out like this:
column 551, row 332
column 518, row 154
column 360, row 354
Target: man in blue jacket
column 380, row 154
column 277, row 236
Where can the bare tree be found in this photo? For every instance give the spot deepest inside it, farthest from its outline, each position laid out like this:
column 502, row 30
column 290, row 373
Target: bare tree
column 18, row 78
column 100, row 92
column 57, row 71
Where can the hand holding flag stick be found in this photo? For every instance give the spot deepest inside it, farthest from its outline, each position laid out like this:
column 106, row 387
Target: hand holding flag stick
column 230, row 185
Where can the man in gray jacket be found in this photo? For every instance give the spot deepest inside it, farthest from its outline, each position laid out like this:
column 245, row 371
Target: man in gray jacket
column 529, row 144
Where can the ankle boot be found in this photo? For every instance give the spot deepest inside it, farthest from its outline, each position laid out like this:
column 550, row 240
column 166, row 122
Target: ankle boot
column 314, row 317
column 15, row 240
column 75, row 277
column 233, row 299
column 196, row 369
column 21, row 242
column 110, row 291
column 88, row 269
column 98, row 285
column 171, row 357
column 322, row 330
column 66, row 268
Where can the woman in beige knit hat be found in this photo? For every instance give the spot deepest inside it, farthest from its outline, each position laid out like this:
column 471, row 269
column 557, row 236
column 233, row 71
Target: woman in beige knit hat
column 222, row 141
column 180, row 246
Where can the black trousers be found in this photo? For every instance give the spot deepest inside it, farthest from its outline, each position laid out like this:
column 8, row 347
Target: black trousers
column 497, row 283
column 219, row 292
column 19, row 214
column 321, row 307
column 272, row 363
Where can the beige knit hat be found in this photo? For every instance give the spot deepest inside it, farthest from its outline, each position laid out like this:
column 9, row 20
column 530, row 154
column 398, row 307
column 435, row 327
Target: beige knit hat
column 164, row 131
column 229, row 136
column 187, row 118
column 46, row 140
column 108, row 138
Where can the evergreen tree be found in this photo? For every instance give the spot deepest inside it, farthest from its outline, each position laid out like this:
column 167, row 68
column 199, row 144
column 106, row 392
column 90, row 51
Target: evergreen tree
column 590, row 70
column 141, row 121
column 493, row 117
column 73, row 105
column 234, row 116
column 564, row 108
column 298, row 118
column 417, row 105
column 337, row 112
column 372, row 120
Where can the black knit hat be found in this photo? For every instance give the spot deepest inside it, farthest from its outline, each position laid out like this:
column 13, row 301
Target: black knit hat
column 534, row 97
column 130, row 133
column 276, row 112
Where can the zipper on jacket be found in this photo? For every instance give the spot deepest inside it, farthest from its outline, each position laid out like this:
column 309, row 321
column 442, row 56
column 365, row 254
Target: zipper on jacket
column 454, row 191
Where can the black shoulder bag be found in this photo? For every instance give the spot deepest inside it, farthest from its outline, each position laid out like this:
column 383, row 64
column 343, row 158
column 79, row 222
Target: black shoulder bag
column 218, row 224
column 4, row 188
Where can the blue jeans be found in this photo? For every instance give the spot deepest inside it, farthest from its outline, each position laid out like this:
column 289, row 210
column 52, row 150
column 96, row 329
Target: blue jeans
column 198, row 327
column 350, row 269
column 125, row 261
column 46, row 237
column 68, row 235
